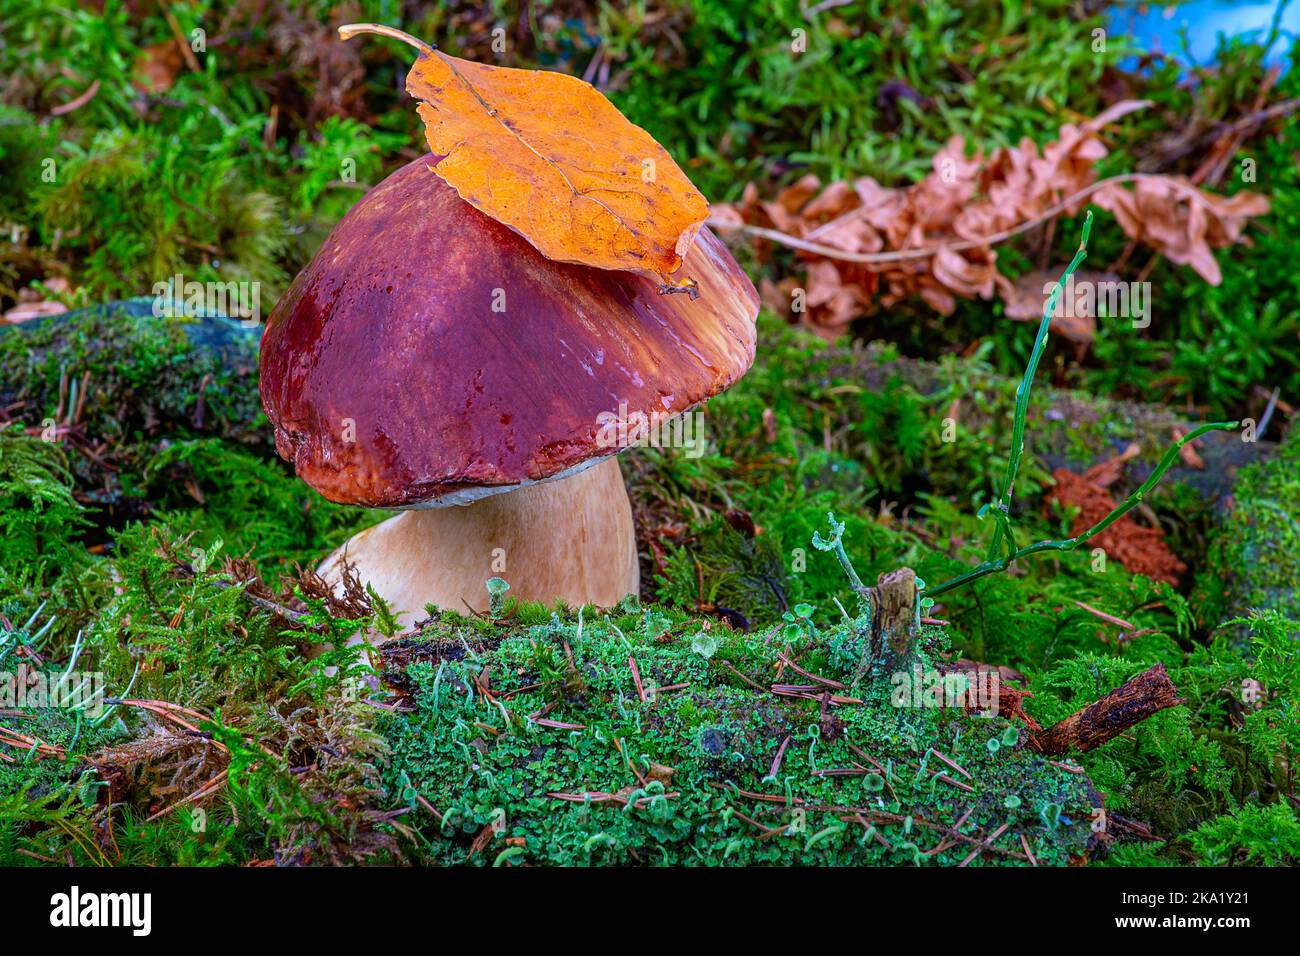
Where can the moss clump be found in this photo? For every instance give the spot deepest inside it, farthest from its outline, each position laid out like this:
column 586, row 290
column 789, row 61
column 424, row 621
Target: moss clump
column 157, row 416
column 636, row 738
column 1262, row 836
column 131, row 374
column 1254, row 558
column 38, row 513
column 316, row 773
column 229, row 702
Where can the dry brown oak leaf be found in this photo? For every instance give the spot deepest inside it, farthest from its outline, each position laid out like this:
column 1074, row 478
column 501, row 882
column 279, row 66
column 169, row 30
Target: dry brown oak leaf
column 547, row 155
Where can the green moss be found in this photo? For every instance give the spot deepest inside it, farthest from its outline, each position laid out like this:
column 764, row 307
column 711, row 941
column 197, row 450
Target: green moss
column 154, row 393
column 1254, row 559
column 198, row 643
column 257, row 507
column 38, row 512
column 1260, row 836
column 166, row 624
column 206, row 181
column 134, row 374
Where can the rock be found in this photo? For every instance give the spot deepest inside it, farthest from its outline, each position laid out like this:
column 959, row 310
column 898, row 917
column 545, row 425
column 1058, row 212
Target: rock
column 116, row 370
column 115, row 386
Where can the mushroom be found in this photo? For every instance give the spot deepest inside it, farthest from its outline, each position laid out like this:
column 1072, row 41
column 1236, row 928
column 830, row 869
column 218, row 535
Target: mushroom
column 430, row 360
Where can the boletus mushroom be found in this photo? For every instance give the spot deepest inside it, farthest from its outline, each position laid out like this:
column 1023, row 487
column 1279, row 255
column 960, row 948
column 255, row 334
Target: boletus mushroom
column 430, row 360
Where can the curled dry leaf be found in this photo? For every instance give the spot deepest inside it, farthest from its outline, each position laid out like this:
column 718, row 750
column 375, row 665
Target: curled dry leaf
column 157, row 66
column 1188, row 453
column 1182, row 222
column 1075, row 318
column 866, row 247
column 549, row 156
column 31, row 305
column 1106, row 473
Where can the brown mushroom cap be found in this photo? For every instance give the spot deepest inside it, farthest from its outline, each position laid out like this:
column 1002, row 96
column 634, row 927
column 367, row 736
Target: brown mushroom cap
column 389, row 338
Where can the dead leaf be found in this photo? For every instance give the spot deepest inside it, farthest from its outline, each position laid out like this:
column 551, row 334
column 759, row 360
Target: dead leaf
column 1074, row 319
column 1140, row 549
column 1181, row 222
column 952, row 219
column 1106, row 473
column 1191, row 458
column 549, row 156
column 661, row 773
column 32, row 306
column 157, row 67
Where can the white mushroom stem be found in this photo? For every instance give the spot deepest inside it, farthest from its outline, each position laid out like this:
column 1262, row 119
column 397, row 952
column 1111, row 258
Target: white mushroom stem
column 570, row 539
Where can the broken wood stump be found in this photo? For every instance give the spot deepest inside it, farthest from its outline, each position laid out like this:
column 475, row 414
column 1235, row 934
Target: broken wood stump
column 893, row 613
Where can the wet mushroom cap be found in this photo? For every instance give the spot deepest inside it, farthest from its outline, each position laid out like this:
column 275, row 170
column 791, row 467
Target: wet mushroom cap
column 429, row 354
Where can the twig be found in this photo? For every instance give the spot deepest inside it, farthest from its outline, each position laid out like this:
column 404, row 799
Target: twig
column 190, row 59
column 203, row 791
column 811, row 692
column 559, row 725
column 1268, row 412
column 768, row 832
column 985, row 845
column 1107, row 617
column 886, row 817
column 77, row 103
column 636, row 677
column 598, row 796
column 956, row 783
column 762, row 797
column 903, row 255
column 1134, row 701
column 811, row 676
column 952, row 763
column 1028, row 852
column 780, row 754
column 754, row 684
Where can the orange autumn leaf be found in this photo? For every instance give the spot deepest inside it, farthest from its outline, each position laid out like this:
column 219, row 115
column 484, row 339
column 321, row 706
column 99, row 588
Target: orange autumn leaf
column 549, row 156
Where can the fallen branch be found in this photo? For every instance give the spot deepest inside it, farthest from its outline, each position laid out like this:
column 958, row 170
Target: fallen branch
column 1146, row 694
column 1110, row 618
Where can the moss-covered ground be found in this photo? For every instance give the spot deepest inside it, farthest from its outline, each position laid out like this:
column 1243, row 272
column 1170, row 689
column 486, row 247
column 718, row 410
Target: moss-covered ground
column 158, row 544
column 457, row 748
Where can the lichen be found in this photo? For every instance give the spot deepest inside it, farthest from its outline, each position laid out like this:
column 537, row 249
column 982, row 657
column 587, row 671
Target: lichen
column 611, row 739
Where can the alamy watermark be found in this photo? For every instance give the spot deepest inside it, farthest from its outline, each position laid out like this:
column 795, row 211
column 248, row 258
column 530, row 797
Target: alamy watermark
column 624, row 429
column 178, row 298
column 1080, row 299
column 29, row 688
column 75, row 908
column 934, row 688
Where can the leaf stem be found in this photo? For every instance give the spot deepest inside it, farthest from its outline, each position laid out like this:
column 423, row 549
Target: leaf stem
column 349, row 30
column 1027, row 383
